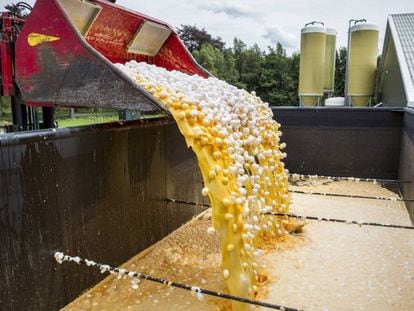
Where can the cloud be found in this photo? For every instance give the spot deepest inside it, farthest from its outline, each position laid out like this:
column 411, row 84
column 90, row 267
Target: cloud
column 252, row 21
column 276, row 34
column 231, row 9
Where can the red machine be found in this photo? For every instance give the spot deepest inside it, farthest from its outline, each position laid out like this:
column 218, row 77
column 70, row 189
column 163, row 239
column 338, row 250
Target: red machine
column 10, row 24
column 64, row 55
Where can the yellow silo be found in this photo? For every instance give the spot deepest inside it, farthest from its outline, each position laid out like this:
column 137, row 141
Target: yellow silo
column 330, row 56
column 362, row 64
column 312, row 65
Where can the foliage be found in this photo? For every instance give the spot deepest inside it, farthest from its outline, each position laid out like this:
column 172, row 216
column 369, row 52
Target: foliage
column 91, row 119
column 194, row 38
column 219, row 63
column 279, row 75
column 377, row 98
column 272, row 74
column 340, row 68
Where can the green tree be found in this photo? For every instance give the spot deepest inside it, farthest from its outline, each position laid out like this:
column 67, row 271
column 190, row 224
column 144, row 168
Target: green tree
column 194, row 38
column 230, row 74
column 219, row 63
column 274, row 75
column 376, row 99
column 276, row 83
column 340, row 69
column 248, row 64
column 1, row 106
column 294, row 62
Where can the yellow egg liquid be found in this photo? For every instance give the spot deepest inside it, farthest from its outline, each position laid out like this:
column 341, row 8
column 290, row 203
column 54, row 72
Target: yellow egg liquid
column 240, row 223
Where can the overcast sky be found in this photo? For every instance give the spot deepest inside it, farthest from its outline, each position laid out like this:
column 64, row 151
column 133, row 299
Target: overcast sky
column 267, row 21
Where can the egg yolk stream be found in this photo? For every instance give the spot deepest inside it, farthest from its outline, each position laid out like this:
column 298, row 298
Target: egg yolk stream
column 236, row 142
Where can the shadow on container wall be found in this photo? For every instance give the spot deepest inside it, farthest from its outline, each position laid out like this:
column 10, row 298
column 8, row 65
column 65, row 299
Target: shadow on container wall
column 98, row 192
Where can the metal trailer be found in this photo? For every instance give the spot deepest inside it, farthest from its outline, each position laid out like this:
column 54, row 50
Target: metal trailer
column 101, row 191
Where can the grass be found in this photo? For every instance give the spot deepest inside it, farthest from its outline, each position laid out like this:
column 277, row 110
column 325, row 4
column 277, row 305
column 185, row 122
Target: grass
column 82, row 116
column 5, row 113
column 86, row 120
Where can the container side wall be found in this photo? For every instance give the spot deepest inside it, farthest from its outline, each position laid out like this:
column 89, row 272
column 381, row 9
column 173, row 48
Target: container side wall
column 406, row 170
column 97, row 192
column 353, row 142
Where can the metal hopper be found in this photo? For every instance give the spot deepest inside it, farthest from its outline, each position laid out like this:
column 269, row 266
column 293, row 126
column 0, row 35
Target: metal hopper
column 66, row 51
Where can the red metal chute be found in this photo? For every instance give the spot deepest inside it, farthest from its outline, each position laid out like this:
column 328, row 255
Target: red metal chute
column 66, row 50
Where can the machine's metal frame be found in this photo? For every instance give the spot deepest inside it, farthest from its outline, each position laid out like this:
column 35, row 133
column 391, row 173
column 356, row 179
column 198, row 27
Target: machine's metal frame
column 318, row 101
